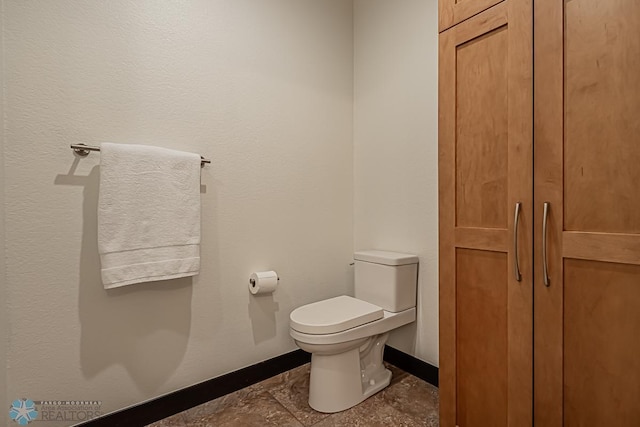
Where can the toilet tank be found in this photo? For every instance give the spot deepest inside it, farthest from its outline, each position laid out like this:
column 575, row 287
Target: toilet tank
column 386, row 279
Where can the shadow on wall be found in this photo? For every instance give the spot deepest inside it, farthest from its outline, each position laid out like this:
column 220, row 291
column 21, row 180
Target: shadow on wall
column 404, row 338
column 262, row 311
column 143, row 327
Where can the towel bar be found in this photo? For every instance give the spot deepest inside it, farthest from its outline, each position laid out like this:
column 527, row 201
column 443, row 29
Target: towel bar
column 83, row 150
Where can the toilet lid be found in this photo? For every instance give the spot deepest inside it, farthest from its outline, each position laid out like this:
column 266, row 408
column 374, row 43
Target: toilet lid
column 334, row 315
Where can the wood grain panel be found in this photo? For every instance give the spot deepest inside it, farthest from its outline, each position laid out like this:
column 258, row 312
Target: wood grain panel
column 548, row 162
column 452, row 12
column 520, row 176
column 602, row 344
column 481, row 314
column 620, row 248
column 488, row 239
column 487, row 21
column 602, row 103
column 446, row 226
column 482, row 131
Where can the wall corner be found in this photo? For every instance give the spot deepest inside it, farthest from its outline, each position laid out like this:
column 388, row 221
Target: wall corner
column 4, row 321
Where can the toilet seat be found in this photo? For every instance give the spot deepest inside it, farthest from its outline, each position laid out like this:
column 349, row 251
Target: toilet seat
column 334, row 315
column 389, row 322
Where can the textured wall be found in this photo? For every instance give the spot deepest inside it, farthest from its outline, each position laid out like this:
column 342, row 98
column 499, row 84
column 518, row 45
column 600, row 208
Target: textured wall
column 262, row 88
column 396, row 147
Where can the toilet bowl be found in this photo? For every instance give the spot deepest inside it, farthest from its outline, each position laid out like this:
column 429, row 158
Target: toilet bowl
column 346, row 335
column 346, row 365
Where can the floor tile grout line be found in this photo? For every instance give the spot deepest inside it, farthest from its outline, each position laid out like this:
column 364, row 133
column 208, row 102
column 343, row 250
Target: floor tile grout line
column 286, row 385
column 285, row 408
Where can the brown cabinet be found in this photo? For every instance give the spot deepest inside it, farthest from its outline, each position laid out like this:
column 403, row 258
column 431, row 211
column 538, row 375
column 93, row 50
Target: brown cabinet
column 584, row 110
column 587, row 167
column 485, row 171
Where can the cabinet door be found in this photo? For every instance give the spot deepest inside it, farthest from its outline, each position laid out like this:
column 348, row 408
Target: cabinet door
column 452, row 12
column 587, row 157
column 485, row 169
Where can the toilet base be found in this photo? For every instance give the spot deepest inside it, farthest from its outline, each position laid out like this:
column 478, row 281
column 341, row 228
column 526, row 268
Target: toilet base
column 341, row 381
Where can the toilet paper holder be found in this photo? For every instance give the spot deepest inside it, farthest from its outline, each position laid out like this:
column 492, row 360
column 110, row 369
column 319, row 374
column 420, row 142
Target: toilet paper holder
column 263, row 282
column 253, row 281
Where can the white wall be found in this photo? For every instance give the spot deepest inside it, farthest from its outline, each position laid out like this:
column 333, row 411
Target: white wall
column 266, row 89
column 396, row 149
column 262, row 88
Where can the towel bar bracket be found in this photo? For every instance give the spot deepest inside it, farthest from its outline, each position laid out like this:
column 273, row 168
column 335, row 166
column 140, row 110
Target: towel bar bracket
column 81, row 150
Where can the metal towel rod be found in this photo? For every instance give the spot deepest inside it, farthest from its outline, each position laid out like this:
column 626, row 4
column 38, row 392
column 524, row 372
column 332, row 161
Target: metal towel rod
column 83, row 150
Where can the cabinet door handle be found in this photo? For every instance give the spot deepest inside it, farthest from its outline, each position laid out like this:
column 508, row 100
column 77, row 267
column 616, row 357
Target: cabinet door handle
column 516, row 262
column 545, row 265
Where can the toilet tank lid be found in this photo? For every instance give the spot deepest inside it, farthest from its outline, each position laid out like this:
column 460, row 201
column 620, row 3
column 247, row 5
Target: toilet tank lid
column 385, row 257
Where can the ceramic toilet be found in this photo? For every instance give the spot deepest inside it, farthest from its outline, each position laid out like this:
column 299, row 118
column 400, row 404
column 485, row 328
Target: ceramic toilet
column 346, row 335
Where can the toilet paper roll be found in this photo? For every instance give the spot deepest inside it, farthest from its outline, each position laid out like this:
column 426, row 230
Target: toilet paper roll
column 263, row 282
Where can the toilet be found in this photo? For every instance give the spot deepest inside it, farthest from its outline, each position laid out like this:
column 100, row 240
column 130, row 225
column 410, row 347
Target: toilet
column 346, row 335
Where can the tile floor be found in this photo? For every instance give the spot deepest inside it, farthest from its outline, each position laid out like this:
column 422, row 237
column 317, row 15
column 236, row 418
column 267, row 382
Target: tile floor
column 282, row 401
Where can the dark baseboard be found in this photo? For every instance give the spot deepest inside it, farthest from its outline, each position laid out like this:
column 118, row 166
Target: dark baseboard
column 412, row 365
column 186, row 398
column 181, row 400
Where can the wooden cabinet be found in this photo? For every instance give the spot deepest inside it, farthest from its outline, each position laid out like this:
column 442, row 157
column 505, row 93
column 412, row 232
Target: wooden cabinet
column 514, row 351
column 587, row 157
column 485, row 170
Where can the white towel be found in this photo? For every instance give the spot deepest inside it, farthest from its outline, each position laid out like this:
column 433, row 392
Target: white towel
column 148, row 214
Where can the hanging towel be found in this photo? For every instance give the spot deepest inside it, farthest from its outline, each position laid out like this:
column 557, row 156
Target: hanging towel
column 148, row 214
